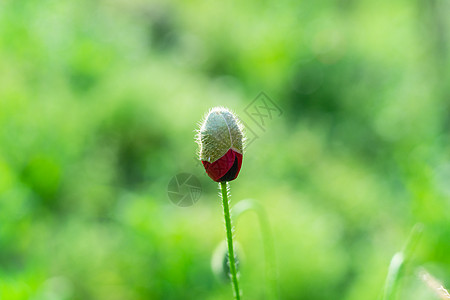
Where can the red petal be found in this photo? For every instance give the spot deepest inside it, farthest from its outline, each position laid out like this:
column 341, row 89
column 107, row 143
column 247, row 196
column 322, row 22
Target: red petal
column 218, row 169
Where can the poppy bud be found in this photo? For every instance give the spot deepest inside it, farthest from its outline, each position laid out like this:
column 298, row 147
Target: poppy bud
column 220, row 262
column 221, row 142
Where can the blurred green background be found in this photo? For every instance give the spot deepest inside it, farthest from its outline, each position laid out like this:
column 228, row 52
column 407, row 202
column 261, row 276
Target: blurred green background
column 99, row 102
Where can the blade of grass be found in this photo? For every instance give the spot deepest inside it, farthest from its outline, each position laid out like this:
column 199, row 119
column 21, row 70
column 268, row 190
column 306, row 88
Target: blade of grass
column 267, row 239
column 398, row 262
column 434, row 284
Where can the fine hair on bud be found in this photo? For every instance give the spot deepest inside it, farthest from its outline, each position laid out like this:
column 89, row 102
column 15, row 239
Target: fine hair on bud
column 221, row 142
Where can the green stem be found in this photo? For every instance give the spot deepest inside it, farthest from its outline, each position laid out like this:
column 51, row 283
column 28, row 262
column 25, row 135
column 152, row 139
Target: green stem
column 267, row 239
column 229, row 229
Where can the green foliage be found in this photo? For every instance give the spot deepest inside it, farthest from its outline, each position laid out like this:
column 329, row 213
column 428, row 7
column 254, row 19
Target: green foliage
column 99, row 101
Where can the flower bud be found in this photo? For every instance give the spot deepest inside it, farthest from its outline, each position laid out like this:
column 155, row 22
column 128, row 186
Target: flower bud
column 220, row 260
column 221, row 142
